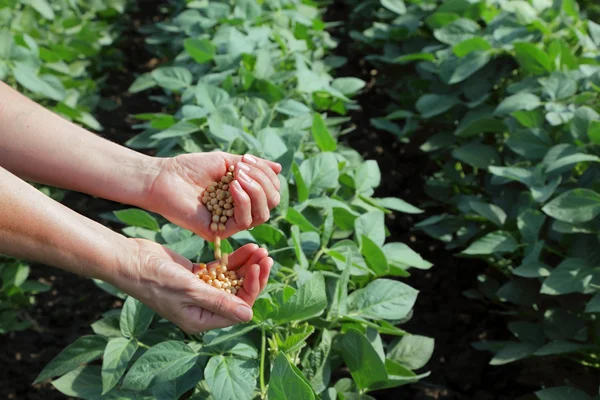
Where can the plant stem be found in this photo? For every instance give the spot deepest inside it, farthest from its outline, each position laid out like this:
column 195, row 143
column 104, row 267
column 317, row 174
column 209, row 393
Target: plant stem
column 263, row 354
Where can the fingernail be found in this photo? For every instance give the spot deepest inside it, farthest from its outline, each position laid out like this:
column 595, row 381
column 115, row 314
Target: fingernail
column 243, row 313
column 244, row 167
column 249, row 159
column 245, row 178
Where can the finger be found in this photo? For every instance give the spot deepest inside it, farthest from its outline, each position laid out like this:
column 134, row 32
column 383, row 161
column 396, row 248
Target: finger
column 251, row 288
column 197, row 320
column 265, row 183
column 219, row 302
column 259, row 206
column 239, row 257
column 242, row 255
column 242, row 213
column 258, row 255
column 265, row 270
column 263, row 166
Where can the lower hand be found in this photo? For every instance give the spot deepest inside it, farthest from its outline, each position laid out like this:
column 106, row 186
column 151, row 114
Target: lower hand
column 166, row 282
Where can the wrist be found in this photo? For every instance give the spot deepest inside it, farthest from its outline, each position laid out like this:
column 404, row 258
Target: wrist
column 147, row 170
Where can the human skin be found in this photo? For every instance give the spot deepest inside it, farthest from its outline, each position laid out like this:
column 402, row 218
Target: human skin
column 40, row 146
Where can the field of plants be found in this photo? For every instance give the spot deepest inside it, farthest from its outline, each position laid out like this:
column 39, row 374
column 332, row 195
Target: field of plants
column 438, row 235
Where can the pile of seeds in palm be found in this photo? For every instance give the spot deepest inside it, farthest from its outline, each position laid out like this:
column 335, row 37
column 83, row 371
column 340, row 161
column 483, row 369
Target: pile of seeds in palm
column 219, row 202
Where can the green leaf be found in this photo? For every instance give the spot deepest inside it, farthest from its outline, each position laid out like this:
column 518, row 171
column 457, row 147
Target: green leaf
column 468, row 128
column 412, row 351
column 372, row 225
column 308, row 302
column 529, row 119
column 532, row 59
column 117, row 355
column 559, row 86
column 297, row 241
column 560, row 347
column 43, row 7
column 572, row 275
column 574, row 206
column 520, row 101
column 430, row 105
column 470, row 45
column 382, row 299
column 136, row 317
column 582, row 122
column 180, row 129
column 414, row 57
column 292, row 108
column 300, row 183
column 512, row 352
column 477, row 155
column 402, row 256
column 491, row 212
column 571, row 8
column 317, row 365
column 210, row 97
column 287, row 382
column 320, row 172
column 83, row 350
column 457, row 31
column 593, row 306
column 163, row 362
column 362, row 360
column 83, row 382
column 558, row 164
column 201, row 50
column 136, row 217
column 267, row 234
column 562, row 393
column 396, row 6
column 468, row 65
column 367, row 178
column 529, row 223
column 141, row 83
column 46, row 85
column 348, row 86
column 217, row 336
column 321, row 134
column 374, row 256
column 14, row 275
column 231, row 378
column 396, row 204
column 108, row 326
column 172, row 78
column 497, row 242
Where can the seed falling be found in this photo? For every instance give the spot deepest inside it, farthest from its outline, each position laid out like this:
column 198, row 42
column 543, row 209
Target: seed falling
column 218, row 200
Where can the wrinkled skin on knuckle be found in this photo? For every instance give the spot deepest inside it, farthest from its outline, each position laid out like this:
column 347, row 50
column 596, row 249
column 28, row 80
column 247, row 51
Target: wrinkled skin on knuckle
column 220, row 303
column 262, row 217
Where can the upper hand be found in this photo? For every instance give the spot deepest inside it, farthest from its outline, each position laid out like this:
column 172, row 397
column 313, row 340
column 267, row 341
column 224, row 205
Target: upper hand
column 166, row 282
column 176, row 191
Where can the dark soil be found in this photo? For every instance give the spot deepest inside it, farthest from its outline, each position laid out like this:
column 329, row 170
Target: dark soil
column 457, row 370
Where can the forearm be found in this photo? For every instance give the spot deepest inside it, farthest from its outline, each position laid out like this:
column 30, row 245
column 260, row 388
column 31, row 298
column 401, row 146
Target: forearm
column 37, row 228
column 40, row 146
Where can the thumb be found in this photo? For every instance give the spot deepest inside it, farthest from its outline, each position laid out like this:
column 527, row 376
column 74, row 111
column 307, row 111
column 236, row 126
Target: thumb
column 220, row 303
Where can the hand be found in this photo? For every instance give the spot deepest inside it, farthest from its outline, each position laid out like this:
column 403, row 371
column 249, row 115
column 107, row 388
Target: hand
column 166, row 282
column 177, row 189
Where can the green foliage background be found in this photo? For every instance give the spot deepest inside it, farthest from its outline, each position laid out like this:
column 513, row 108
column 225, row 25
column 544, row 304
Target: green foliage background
column 510, row 89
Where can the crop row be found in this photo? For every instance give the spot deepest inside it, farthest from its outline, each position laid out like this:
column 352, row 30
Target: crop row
column 250, row 78
column 512, row 92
